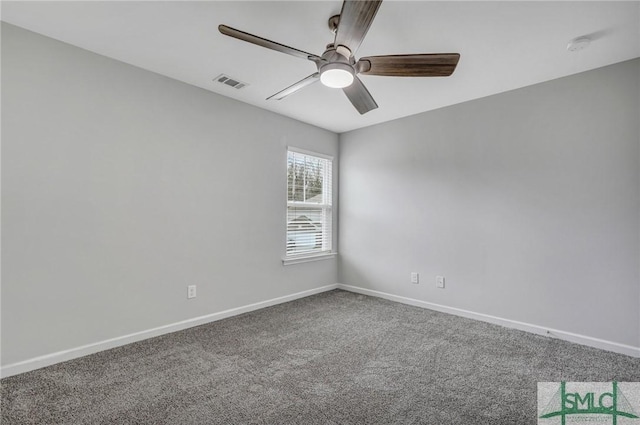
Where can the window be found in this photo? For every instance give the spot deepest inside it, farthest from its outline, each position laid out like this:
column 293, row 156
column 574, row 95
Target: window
column 308, row 204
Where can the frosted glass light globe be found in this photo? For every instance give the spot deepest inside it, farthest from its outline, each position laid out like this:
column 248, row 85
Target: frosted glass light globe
column 336, row 75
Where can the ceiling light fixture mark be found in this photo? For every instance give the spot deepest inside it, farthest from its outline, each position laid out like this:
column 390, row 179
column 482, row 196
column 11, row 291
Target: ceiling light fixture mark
column 579, row 43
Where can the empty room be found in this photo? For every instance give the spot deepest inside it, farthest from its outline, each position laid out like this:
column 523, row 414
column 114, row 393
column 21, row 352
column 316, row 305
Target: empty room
column 320, row 212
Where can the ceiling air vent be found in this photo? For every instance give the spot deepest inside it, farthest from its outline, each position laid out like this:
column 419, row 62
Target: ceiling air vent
column 231, row 82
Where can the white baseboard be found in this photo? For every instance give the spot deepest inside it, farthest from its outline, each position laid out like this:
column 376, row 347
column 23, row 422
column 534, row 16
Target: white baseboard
column 73, row 353
column 527, row 327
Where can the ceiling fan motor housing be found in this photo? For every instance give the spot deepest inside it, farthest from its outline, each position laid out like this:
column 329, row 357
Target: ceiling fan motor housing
column 332, row 55
column 336, row 70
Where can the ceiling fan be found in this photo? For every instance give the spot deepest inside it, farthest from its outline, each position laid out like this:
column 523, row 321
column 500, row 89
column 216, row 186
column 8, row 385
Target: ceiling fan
column 338, row 68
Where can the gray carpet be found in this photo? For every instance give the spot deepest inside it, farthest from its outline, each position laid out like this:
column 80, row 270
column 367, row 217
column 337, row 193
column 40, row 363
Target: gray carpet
column 333, row 358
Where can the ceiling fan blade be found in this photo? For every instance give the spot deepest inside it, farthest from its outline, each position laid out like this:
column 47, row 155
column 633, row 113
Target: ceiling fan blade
column 360, row 96
column 355, row 19
column 295, row 87
column 423, row 65
column 245, row 36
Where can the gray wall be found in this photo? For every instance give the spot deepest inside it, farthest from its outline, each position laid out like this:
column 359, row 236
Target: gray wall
column 121, row 187
column 527, row 202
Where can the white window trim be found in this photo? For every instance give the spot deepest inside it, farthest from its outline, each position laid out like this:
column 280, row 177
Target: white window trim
column 306, row 152
column 306, row 258
column 287, row 261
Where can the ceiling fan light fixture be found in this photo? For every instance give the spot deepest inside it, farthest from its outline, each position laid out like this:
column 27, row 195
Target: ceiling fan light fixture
column 338, row 67
column 336, row 75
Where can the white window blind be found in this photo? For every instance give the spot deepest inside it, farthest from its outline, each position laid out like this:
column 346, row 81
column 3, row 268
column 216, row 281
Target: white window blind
column 309, row 201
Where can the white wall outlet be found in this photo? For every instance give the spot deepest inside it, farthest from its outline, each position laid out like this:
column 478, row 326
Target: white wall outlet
column 439, row 281
column 414, row 277
column 191, row 291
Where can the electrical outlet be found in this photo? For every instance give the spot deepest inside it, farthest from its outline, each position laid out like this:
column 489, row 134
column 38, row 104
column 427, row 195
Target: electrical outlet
column 191, row 291
column 440, row 282
column 414, row 277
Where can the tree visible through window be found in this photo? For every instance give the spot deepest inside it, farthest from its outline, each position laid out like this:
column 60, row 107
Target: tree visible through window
column 308, row 203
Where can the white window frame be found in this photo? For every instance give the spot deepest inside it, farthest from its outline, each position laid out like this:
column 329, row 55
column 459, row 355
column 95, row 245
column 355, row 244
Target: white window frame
column 327, row 211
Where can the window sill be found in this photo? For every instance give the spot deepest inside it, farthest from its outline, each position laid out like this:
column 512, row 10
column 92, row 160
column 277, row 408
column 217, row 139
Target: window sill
column 306, row 259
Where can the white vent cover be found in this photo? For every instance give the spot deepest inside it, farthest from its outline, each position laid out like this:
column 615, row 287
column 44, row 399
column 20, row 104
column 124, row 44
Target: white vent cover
column 231, row 82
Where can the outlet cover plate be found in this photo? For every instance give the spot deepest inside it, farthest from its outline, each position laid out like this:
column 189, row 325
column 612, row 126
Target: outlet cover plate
column 191, row 291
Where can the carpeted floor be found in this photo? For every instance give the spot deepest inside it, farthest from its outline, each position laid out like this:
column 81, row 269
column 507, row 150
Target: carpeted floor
column 333, row 358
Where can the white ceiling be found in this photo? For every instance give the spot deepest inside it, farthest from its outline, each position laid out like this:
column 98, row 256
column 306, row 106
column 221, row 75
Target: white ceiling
column 503, row 45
